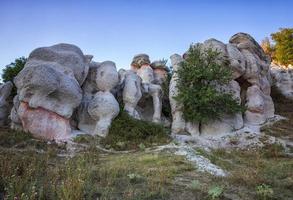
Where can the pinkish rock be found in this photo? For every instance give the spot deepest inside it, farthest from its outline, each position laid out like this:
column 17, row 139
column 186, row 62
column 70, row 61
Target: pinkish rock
column 43, row 123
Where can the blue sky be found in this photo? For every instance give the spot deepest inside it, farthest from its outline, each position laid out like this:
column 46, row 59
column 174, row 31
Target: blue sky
column 116, row 30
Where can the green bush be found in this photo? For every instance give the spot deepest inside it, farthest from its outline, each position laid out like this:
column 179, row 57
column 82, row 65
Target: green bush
column 197, row 77
column 129, row 133
column 10, row 71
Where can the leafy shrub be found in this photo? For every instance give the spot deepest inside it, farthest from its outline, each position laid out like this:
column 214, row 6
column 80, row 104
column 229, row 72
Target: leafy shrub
column 10, row 71
column 197, row 77
column 128, row 133
column 283, row 53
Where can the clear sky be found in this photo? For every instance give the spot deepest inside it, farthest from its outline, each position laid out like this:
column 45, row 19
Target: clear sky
column 116, row 30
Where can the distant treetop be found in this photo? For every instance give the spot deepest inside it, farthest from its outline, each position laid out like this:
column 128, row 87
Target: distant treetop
column 281, row 51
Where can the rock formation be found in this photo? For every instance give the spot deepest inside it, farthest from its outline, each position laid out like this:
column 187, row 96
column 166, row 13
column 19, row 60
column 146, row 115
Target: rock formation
column 99, row 107
column 282, row 79
column 49, row 90
column 251, row 87
column 5, row 90
column 61, row 89
column 149, row 87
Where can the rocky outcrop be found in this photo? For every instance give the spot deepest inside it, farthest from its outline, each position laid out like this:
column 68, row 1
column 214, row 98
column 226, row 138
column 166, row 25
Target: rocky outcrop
column 250, row 87
column 61, row 89
column 5, row 90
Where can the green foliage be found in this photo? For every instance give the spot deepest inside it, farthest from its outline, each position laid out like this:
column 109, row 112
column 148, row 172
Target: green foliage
column 198, row 76
column 11, row 70
column 215, row 192
column 128, row 133
column 284, row 46
column 264, row 192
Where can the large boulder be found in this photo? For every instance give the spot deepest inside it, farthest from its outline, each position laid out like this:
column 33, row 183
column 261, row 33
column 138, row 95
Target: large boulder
column 51, row 78
column 5, row 90
column 260, row 107
column 49, row 89
column 103, row 109
column 98, row 107
column 283, row 80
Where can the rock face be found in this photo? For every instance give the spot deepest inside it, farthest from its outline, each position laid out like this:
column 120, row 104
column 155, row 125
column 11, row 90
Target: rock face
column 99, row 107
column 251, row 86
column 5, row 90
column 283, row 79
column 147, row 84
column 131, row 91
column 49, row 86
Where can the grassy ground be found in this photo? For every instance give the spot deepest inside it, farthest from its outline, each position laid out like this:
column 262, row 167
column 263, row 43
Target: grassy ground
column 33, row 169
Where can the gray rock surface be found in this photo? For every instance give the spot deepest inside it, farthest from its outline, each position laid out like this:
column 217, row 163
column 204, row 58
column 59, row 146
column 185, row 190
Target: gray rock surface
column 98, row 107
column 283, row 80
column 5, row 90
column 51, row 78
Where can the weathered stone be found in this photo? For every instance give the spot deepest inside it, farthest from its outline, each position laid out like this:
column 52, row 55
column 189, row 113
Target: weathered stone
column 5, row 90
column 149, row 86
column 103, row 109
column 260, row 107
column 98, row 107
column 237, row 61
column 107, row 76
column 257, row 63
column 283, row 80
column 48, row 79
column 15, row 120
column 131, row 91
column 140, row 60
column 43, row 123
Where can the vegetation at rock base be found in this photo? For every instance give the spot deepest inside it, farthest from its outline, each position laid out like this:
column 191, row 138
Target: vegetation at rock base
column 198, row 78
column 128, row 133
column 281, row 50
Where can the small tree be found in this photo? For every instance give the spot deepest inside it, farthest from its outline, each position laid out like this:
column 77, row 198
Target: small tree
column 284, row 46
column 11, row 70
column 198, row 76
column 267, row 47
